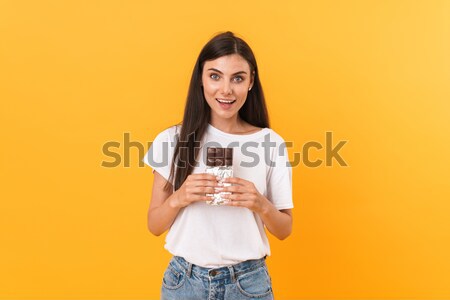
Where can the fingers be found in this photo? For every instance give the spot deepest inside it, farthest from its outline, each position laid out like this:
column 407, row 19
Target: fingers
column 202, row 176
column 235, row 197
column 237, row 180
column 197, row 194
column 202, row 183
column 198, row 198
column 236, row 189
column 201, row 190
column 202, row 180
column 198, row 185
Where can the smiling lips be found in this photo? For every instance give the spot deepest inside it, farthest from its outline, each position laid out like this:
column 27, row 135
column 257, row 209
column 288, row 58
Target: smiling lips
column 225, row 101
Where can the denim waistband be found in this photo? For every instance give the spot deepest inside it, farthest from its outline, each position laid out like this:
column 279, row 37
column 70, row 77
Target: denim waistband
column 232, row 271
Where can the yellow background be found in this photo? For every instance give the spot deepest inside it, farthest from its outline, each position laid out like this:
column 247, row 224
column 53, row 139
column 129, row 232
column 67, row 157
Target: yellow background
column 75, row 75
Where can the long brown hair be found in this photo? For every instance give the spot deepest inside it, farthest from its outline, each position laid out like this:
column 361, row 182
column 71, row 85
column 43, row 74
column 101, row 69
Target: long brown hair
column 197, row 111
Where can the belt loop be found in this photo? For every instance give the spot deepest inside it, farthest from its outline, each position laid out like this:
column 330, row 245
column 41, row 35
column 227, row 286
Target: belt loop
column 232, row 275
column 189, row 270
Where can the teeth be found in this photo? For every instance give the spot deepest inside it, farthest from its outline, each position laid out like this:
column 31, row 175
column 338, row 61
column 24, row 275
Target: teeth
column 225, row 101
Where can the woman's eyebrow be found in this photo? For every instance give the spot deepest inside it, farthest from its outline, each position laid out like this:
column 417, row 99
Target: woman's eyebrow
column 240, row 72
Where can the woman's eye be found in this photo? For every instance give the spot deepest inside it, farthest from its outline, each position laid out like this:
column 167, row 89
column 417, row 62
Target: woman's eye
column 214, row 76
column 238, row 78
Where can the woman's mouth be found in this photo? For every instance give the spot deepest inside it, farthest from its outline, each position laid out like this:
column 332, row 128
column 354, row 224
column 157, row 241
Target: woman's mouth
column 225, row 103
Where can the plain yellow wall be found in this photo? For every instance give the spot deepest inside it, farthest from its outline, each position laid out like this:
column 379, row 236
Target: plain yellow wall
column 75, row 75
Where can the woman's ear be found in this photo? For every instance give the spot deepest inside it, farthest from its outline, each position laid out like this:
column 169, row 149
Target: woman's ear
column 252, row 80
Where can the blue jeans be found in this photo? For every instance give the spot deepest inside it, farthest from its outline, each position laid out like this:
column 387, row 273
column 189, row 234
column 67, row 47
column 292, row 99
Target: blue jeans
column 246, row 280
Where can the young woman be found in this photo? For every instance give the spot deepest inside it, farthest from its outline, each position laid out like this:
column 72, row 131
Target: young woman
column 219, row 251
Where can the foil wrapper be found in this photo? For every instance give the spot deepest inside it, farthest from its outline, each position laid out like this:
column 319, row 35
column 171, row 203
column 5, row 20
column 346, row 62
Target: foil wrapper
column 221, row 172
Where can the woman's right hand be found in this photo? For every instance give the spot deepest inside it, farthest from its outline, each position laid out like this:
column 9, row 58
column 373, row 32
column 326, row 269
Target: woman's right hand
column 194, row 189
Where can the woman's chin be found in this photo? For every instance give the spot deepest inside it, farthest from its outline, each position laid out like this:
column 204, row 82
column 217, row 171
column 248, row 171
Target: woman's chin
column 226, row 115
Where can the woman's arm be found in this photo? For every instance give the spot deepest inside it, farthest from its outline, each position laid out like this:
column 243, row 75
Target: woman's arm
column 161, row 213
column 278, row 222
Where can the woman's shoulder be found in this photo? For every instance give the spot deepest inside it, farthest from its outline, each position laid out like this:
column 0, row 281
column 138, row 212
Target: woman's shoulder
column 272, row 135
column 275, row 136
column 169, row 133
column 249, row 129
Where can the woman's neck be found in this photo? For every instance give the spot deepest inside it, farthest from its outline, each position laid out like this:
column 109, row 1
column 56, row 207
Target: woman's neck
column 233, row 126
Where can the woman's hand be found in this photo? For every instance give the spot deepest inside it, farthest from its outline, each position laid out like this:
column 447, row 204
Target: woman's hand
column 245, row 194
column 194, row 189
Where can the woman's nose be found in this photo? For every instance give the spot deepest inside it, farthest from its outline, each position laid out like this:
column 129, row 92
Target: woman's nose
column 226, row 88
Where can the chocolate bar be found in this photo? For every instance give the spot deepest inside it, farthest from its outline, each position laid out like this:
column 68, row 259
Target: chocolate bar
column 218, row 157
column 219, row 162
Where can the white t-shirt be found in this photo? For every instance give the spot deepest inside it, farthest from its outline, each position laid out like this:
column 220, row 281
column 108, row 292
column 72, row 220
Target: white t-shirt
column 215, row 236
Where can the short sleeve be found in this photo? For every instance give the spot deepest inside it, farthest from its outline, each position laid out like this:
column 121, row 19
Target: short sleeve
column 279, row 179
column 160, row 154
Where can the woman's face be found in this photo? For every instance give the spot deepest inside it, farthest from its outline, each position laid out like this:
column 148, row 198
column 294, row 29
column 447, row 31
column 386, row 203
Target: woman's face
column 226, row 82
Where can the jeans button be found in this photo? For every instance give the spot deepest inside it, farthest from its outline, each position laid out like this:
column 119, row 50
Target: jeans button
column 213, row 273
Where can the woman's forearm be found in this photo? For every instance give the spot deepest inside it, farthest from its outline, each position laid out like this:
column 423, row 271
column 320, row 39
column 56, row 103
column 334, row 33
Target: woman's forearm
column 161, row 218
column 277, row 222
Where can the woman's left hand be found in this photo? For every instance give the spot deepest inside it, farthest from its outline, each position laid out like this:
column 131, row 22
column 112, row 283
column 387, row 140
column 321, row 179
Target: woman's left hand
column 245, row 194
